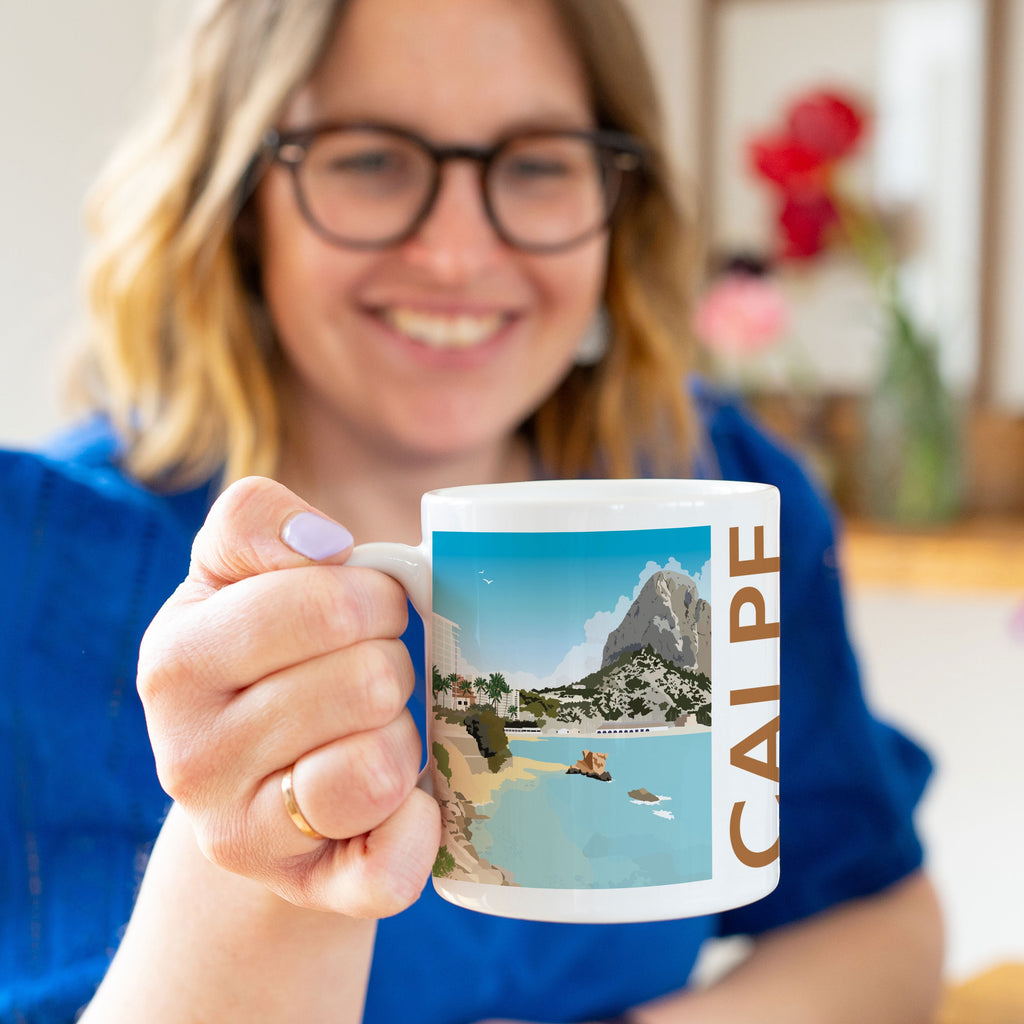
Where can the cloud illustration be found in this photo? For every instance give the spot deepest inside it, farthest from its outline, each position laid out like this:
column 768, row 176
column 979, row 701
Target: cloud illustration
column 584, row 658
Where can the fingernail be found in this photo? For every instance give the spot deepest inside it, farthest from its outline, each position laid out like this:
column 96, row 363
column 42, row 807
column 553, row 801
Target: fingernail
column 315, row 537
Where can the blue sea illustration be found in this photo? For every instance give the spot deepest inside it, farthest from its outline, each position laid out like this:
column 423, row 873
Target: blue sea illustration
column 570, row 831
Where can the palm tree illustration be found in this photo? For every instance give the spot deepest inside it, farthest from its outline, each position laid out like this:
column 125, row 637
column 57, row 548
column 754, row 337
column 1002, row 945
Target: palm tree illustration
column 495, row 687
column 439, row 683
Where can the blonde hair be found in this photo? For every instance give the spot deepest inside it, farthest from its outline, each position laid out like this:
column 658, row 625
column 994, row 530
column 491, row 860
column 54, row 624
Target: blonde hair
column 180, row 353
column 631, row 412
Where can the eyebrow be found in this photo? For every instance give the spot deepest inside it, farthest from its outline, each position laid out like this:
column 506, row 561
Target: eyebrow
column 553, row 121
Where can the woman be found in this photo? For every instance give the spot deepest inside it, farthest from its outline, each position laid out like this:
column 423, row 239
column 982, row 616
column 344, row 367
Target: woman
column 368, row 249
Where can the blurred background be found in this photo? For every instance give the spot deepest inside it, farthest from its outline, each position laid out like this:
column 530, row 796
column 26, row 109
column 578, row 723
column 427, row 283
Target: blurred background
column 860, row 165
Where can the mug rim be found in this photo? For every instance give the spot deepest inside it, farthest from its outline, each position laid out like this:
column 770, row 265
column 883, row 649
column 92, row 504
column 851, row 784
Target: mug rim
column 619, row 490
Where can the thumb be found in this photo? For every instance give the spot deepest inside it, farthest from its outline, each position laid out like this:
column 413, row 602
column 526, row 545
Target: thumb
column 257, row 525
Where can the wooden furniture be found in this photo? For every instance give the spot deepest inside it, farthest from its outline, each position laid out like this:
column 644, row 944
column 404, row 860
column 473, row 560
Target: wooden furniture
column 993, row 997
column 979, row 553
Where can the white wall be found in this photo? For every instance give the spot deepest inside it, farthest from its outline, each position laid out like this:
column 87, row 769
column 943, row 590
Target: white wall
column 671, row 34
column 70, row 78
column 1009, row 378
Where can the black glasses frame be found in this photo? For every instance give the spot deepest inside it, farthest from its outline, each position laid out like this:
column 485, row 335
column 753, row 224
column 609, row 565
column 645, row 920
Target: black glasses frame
column 621, row 155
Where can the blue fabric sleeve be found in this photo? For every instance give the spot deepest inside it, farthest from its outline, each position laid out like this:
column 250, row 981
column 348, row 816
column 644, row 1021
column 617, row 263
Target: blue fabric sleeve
column 56, row 997
column 89, row 558
column 848, row 783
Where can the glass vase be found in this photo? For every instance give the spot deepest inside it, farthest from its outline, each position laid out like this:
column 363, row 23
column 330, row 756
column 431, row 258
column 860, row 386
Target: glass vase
column 911, row 468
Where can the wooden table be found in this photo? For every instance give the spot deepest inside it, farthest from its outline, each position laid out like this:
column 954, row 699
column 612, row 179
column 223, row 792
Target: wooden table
column 976, row 554
column 994, row 997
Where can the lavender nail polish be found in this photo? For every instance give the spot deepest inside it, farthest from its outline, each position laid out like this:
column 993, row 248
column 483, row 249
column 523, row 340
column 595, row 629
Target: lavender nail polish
column 315, row 537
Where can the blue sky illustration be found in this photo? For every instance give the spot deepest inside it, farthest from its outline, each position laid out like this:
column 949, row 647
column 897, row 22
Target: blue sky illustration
column 538, row 607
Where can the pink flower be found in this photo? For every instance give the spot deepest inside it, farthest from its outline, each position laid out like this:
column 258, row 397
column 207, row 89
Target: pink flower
column 741, row 314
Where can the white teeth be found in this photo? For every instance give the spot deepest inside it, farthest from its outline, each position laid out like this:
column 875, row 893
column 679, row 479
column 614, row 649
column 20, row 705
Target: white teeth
column 461, row 331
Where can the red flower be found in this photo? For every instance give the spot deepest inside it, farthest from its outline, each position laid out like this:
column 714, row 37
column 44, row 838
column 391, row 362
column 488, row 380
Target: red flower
column 800, row 162
column 786, row 163
column 805, row 222
column 826, row 125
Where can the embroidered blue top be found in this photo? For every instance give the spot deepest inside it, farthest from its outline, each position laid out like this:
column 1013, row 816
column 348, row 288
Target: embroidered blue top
column 91, row 555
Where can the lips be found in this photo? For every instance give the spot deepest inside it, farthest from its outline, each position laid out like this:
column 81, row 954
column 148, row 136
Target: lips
column 444, row 331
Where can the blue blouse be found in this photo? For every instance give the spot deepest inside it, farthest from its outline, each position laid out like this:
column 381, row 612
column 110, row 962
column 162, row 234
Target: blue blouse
column 91, row 555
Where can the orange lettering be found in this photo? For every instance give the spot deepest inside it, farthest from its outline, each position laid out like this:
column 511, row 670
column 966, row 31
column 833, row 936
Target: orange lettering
column 754, row 695
column 768, row 734
column 758, row 629
column 752, row 858
column 750, row 566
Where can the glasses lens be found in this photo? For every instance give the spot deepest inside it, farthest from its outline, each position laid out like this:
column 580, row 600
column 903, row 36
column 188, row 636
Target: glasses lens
column 365, row 185
column 547, row 191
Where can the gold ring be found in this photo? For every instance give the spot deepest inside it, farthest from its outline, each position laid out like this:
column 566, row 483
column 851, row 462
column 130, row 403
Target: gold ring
column 292, row 807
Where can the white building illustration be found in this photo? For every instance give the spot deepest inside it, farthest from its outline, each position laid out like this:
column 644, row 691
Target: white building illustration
column 444, row 639
column 508, row 704
column 461, row 693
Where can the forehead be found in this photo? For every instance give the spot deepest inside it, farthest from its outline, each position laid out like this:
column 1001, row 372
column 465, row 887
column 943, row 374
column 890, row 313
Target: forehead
column 467, row 70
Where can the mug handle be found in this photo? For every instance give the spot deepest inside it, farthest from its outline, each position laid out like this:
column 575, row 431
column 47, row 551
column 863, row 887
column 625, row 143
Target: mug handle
column 405, row 563
column 411, row 567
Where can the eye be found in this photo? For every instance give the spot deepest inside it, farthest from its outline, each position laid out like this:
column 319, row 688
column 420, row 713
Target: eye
column 365, row 159
column 369, row 162
column 545, row 163
column 533, row 165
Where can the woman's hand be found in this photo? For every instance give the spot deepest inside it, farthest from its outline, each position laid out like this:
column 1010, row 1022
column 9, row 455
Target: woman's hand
column 264, row 659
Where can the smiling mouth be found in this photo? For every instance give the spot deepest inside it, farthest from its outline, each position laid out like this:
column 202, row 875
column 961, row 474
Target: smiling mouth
column 462, row 330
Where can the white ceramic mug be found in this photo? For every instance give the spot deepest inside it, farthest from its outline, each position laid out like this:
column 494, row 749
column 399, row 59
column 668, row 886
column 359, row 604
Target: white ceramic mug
column 600, row 753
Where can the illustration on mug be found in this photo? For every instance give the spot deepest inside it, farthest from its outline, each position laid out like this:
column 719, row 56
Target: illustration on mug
column 571, row 692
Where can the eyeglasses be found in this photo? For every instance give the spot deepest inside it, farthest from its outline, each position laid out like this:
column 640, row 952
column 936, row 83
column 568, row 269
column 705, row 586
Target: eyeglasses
column 372, row 186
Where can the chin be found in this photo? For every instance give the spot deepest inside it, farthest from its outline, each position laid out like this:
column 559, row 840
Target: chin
column 455, row 445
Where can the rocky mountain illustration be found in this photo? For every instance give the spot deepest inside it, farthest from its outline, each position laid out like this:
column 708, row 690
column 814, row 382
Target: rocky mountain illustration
column 642, row 686
column 669, row 617
column 639, row 687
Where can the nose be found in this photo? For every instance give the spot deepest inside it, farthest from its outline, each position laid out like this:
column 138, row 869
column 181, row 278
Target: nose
column 457, row 240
